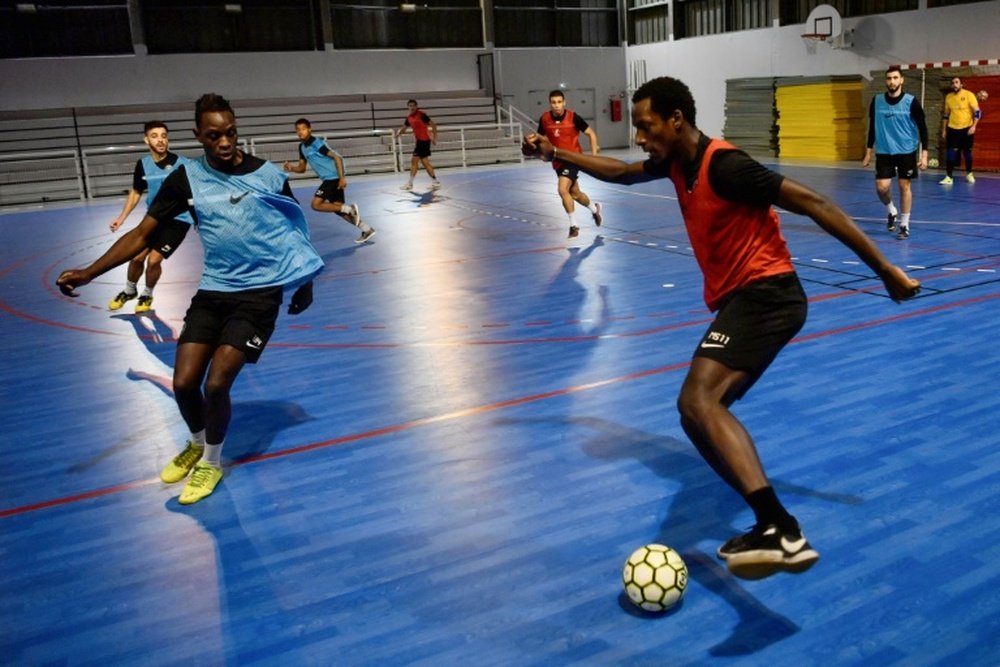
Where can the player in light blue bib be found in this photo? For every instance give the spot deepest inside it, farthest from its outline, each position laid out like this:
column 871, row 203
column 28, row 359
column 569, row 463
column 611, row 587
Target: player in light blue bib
column 256, row 245
column 329, row 166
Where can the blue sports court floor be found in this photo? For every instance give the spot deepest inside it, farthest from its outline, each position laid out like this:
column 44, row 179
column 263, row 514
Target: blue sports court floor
column 447, row 459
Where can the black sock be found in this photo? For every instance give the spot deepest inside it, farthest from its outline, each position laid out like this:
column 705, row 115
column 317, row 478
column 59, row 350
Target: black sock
column 769, row 510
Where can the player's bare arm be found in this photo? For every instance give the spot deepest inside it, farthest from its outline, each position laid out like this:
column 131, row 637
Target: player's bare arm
column 603, row 168
column 797, row 198
column 592, row 136
column 124, row 249
column 130, row 203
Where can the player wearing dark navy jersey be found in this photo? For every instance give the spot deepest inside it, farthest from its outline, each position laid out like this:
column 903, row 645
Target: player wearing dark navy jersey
column 726, row 199
column 256, row 244
column 425, row 132
column 563, row 127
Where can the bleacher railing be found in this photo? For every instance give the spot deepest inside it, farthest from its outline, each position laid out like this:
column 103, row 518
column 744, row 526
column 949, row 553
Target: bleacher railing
column 39, row 177
column 32, row 178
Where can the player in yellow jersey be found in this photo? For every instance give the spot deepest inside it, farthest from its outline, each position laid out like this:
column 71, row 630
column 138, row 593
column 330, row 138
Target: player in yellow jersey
column 958, row 129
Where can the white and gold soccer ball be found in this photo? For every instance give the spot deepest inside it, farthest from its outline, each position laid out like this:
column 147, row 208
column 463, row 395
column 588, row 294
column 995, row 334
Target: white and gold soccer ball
column 933, row 163
column 982, row 96
column 655, row 577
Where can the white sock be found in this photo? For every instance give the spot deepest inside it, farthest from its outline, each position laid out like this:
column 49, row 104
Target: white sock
column 891, row 208
column 904, row 220
column 347, row 209
column 213, row 455
column 572, row 220
column 147, row 291
column 130, row 287
column 592, row 206
column 198, row 438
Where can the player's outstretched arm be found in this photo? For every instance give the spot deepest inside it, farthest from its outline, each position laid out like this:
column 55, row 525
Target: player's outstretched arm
column 124, row 249
column 605, row 168
column 797, row 198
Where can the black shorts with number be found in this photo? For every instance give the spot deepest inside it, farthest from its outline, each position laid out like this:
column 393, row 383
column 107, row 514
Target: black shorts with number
column 330, row 191
column 422, row 148
column 959, row 139
column 754, row 323
column 244, row 320
column 569, row 171
column 903, row 165
column 168, row 236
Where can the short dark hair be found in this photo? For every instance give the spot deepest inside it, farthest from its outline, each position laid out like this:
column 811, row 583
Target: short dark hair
column 556, row 93
column 894, row 68
column 153, row 124
column 303, row 121
column 666, row 95
column 210, row 102
column 411, row 102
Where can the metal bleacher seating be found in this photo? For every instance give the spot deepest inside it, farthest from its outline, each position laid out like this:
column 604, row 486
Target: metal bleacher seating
column 76, row 154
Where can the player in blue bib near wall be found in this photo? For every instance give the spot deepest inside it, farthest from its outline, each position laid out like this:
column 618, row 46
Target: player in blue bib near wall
column 329, row 166
column 256, row 244
column 150, row 172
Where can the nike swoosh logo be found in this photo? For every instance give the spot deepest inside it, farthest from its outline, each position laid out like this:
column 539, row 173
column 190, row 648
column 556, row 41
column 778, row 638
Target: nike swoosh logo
column 712, row 345
column 791, row 546
column 237, row 200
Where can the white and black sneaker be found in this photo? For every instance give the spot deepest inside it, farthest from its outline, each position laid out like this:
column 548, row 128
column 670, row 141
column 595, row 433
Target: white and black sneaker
column 356, row 215
column 365, row 235
column 765, row 550
column 598, row 218
column 891, row 224
column 904, row 233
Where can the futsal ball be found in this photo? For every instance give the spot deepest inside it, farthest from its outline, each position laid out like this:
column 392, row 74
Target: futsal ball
column 982, row 96
column 933, row 163
column 655, row 577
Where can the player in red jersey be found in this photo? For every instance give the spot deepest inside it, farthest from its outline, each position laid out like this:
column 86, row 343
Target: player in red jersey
column 727, row 199
column 425, row 131
column 562, row 127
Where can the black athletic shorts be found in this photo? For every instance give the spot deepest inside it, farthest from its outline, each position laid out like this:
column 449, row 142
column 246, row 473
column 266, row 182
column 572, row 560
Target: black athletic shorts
column 569, row 171
column 903, row 165
column 754, row 323
column 959, row 139
column 422, row 148
column 168, row 236
column 244, row 320
column 330, row 191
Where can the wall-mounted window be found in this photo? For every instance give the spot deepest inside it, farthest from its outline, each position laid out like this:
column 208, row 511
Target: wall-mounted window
column 555, row 23
column 712, row 17
column 214, row 26
column 64, row 28
column 648, row 21
column 391, row 24
column 797, row 11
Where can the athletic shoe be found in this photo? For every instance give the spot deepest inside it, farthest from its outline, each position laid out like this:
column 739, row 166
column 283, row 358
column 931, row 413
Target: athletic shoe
column 946, row 181
column 970, row 178
column 436, row 185
column 119, row 301
column 203, row 481
column 904, row 233
column 406, row 186
column 765, row 550
column 365, row 235
column 597, row 214
column 891, row 224
column 179, row 468
column 356, row 216
column 144, row 304
column 573, row 232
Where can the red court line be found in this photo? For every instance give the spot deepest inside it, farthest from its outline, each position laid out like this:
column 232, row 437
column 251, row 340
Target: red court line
column 483, row 409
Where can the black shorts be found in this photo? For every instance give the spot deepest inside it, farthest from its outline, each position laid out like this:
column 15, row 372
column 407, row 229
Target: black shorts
column 168, row 236
column 903, row 165
column 569, row 171
column 959, row 139
column 754, row 323
column 330, row 191
column 423, row 148
column 244, row 320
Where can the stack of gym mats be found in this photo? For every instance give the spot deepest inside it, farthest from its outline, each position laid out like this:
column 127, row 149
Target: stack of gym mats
column 751, row 115
column 821, row 118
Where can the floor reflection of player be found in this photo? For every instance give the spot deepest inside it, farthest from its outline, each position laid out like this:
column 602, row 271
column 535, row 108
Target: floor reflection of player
column 256, row 242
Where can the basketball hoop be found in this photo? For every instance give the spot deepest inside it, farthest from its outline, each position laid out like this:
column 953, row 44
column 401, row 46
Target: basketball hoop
column 811, row 39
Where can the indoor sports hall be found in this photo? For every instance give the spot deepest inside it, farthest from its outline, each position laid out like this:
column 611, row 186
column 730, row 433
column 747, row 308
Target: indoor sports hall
column 448, row 458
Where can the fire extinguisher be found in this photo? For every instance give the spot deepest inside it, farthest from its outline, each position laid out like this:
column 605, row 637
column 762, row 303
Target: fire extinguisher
column 615, row 105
